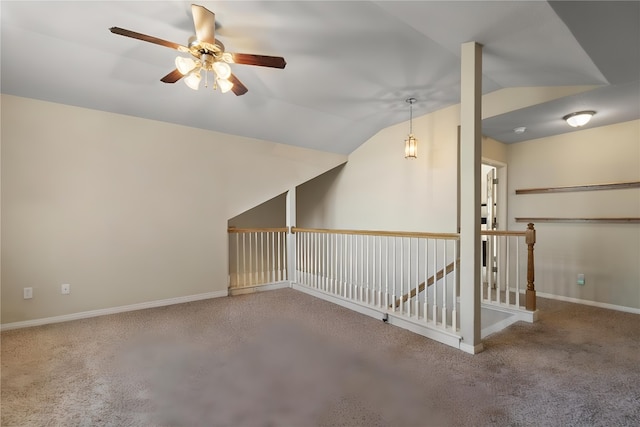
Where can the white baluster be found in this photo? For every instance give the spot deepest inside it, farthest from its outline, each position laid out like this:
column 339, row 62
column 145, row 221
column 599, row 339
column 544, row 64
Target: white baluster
column 386, row 271
column 380, row 271
column 366, row 282
column 444, row 284
column 506, row 270
column 261, row 257
column 409, row 284
column 273, row 275
column 435, row 282
column 417, row 281
column 454, row 293
column 517, row 273
column 356, row 267
column 426, row 279
column 279, row 258
column 345, row 277
column 401, row 274
column 393, row 278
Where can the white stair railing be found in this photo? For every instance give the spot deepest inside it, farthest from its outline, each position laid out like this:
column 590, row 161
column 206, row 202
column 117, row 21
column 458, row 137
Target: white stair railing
column 257, row 256
column 411, row 276
column 384, row 270
column 508, row 268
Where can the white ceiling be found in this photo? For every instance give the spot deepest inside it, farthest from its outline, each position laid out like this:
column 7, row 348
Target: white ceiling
column 350, row 64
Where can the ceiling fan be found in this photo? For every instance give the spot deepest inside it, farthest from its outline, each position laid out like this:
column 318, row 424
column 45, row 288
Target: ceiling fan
column 209, row 54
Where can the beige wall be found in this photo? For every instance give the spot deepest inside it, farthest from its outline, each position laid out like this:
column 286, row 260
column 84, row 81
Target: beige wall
column 126, row 210
column 270, row 214
column 607, row 254
column 378, row 189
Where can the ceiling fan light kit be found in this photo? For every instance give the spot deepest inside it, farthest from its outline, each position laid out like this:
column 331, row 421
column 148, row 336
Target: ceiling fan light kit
column 579, row 118
column 209, row 53
column 193, row 79
column 185, row 65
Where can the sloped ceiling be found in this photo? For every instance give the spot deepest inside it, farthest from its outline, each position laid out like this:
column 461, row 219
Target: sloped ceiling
column 350, row 64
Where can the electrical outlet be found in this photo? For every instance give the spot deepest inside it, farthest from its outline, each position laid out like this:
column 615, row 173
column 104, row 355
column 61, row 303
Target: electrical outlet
column 581, row 279
column 65, row 289
column 27, row 293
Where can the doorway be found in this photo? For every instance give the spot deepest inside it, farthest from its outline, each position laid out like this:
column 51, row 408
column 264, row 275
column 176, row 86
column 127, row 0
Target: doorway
column 493, row 215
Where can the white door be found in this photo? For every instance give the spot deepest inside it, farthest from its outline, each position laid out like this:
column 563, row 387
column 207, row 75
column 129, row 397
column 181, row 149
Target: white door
column 491, row 200
column 490, row 252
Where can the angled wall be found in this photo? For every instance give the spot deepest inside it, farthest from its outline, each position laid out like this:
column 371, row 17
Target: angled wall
column 125, row 210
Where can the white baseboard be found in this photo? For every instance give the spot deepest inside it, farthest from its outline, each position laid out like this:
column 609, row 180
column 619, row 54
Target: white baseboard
column 588, row 302
column 259, row 288
column 112, row 310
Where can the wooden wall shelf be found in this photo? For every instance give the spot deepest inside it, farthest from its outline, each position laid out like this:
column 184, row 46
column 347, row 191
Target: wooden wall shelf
column 587, row 187
column 589, row 220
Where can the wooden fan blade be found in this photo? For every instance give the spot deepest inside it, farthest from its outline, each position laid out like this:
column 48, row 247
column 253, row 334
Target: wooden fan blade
column 146, row 38
column 238, row 88
column 172, row 77
column 205, row 23
column 260, row 60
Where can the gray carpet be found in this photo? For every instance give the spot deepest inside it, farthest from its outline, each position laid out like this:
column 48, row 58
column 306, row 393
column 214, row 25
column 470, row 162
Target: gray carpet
column 283, row 358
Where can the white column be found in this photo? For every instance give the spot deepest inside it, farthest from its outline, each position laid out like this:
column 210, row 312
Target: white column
column 470, row 167
column 291, row 238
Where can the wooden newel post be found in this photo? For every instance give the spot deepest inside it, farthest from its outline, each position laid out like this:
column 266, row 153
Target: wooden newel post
column 530, row 239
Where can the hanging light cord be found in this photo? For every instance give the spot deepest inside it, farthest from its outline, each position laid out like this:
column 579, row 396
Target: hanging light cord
column 411, row 101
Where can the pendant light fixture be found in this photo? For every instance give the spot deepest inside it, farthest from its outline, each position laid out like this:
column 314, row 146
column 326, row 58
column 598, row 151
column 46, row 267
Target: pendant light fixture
column 411, row 143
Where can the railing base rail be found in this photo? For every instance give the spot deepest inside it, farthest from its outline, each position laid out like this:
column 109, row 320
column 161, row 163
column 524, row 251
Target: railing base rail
column 243, row 290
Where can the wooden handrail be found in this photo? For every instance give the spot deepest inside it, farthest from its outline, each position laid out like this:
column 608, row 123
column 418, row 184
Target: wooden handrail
column 444, row 236
column 502, row 233
column 450, row 236
column 430, row 281
column 257, row 230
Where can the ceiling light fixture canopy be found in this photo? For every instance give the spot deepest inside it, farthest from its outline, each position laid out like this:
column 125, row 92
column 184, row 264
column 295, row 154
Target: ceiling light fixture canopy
column 579, row 118
column 411, row 143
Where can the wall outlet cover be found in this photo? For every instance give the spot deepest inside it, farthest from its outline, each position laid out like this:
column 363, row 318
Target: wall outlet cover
column 65, row 289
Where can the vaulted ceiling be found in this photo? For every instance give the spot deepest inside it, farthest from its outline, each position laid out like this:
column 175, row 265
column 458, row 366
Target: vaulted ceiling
column 350, row 64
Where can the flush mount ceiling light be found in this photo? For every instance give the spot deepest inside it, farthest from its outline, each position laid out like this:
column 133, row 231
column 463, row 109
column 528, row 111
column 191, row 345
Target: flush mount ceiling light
column 411, row 143
column 579, row 118
column 520, row 130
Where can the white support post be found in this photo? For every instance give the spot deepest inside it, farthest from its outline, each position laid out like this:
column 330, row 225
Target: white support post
column 291, row 238
column 470, row 166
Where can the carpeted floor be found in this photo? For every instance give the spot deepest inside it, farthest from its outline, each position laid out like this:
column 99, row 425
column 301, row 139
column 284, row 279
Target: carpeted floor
column 283, row 358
